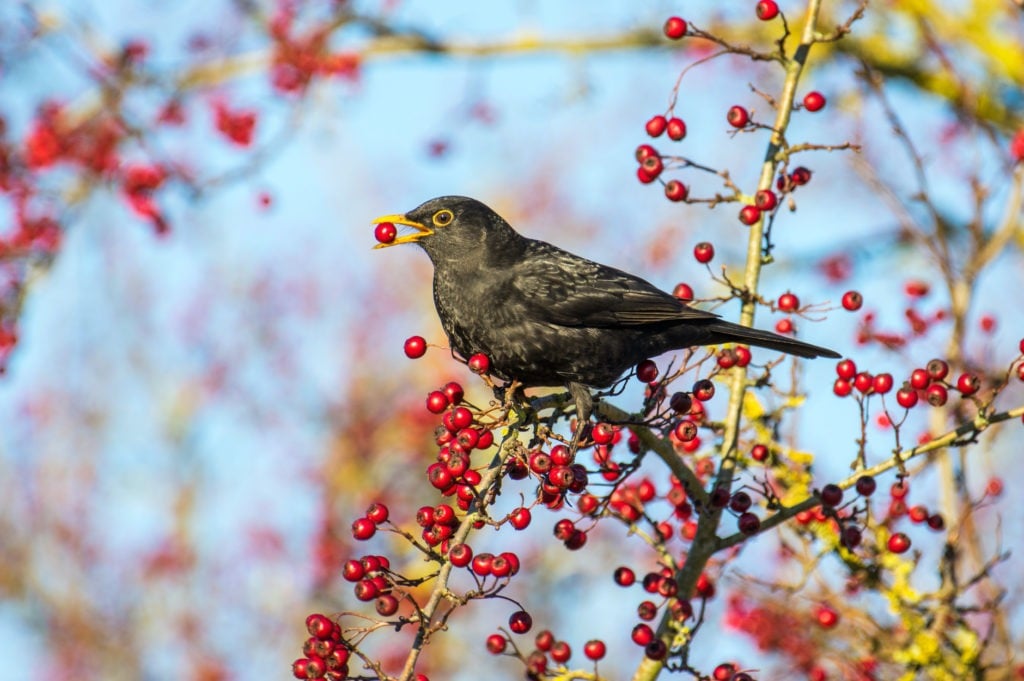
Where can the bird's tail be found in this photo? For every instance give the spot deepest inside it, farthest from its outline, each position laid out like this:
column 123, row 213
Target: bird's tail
column 721, row 331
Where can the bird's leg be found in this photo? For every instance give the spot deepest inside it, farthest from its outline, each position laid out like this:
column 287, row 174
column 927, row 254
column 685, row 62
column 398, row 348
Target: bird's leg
column 584, row 406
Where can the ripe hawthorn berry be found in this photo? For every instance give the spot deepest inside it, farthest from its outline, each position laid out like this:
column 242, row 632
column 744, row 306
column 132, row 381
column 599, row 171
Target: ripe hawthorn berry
column 704, row 252
column 742, row 355
column 675, row 28
column 363, row 529
column 846, row 369
column 683, row 292
column 814, row 101
column 767, row 10
column 496, row 644
column 703, row 390
column 800, row 176
column 676, row 191
column 863, row 382
column 899, row 543
column 750, row 214
column 460, row 555
column 377, row 513
column 906, row 397
column 520, row 518
column 479, row 363
column 520, row 622
column 655, row 126
column 646, row 371
column 453, row 391
column 967, row 384
column 656, row 650
column 595, row 649
column 788, row 302
column 643, row 151
column 759, row 453
column 826, row 616
column 624, row 576
column 919, row 379
column 749, row 523
column 724, row 672
column 561, row 652
column 882, row 383
column 899, row 490
column 851, row 536
column 936, row 394
column 842, row 387
column 937, row 369
column 852, row 301
column 415, row 347
column 642, row 634
column 437, row 402
column 386, row 605
column 385, row 232
column 737, row 116
column 766, row 199
column 831, row 495
column 676, row 129
column 784, row 326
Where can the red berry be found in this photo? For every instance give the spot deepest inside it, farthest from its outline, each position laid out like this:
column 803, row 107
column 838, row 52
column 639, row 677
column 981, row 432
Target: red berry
column 561, row 652
column 936, row 394
column 842, row 387
column 936, row 522
column 784, row 326
column 683, row 292
column 750, row 214
column 704, row 252
column 882, row 383
column 814, row 101
column 759, row 453
column 460, row 555
column 656, row 126
column 675, row 28
column 386, row 605
column 703, row 390
column 767, row 10
column 899, row 543
column 415, row 347
column 319, row 626
column 737, row 116
column 827, row 617
column 676, row 129
column 967, row 384
column 916, row 288
column 724, row 672
column 624, row 576
column 800, row 176
column 377, row 513
column 479, row 363
column 919, row 379
column 863, row 382
column 385, row 232
column 676, row 190
column 437, row 402
column 866, row 485
column 496, row 644
column 831, row 495
column 520, row 622
column 749, row 523
column 642, row 634
column 742, row 355
column 520, row 518
column 685, row 430
column 594, row 649
column 788, row 302
column 363, row 529
column 899, row 490
column 765, row 199
column 846, row 369
column 300, row 668
column 851, row 536
column 852, row 300
column 906, row 397
column 650, row 168
column 647, row 371
column 643, row 151
column 937, row 369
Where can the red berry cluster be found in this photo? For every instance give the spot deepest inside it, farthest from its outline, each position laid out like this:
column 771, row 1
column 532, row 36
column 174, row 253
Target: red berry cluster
column 326, row 653
column 297, row 59
column 929, row 384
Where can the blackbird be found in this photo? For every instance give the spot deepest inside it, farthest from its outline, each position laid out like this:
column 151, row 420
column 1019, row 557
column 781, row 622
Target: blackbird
column 546, row 317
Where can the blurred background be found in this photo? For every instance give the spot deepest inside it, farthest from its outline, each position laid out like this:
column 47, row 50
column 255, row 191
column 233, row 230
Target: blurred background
column 204, row 379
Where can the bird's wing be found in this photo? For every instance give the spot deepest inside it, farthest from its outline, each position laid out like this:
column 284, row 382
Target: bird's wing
column 567, row 290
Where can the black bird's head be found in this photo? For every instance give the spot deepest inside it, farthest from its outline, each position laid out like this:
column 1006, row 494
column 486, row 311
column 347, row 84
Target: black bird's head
column 454, row 227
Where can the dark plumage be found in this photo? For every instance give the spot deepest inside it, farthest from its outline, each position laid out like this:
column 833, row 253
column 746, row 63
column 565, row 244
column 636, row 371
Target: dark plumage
column 546, row 317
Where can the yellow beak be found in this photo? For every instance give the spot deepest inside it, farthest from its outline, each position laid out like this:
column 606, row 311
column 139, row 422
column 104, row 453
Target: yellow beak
column 421, row 229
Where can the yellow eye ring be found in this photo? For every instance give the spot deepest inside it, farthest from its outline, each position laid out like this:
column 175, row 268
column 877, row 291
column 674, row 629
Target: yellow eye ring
column 442, row 218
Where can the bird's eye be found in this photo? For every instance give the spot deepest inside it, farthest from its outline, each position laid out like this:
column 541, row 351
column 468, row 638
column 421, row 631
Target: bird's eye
column 443, row 217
